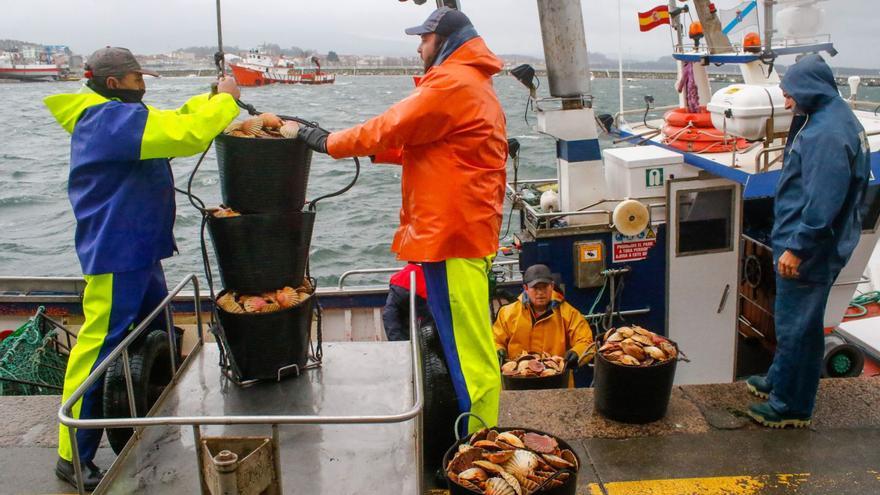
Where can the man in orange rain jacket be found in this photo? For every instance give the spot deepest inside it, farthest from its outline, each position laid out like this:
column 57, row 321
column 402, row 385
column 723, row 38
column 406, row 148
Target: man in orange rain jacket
column 540, row 320
column 449, row 136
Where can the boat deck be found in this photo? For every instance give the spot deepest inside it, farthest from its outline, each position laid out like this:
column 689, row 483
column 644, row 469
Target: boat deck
column 746, row 167
column 705, row 445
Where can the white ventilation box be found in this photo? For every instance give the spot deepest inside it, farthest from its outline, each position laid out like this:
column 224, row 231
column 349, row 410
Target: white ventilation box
column 642, row 171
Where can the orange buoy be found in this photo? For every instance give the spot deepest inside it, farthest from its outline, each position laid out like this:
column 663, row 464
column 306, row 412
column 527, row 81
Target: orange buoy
column 697, row 140
column 690, row 133
column 695, row 29
column 680, row 117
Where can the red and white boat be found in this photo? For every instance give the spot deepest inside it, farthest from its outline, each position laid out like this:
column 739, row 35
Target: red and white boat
column 14, row 67
column 258, row 69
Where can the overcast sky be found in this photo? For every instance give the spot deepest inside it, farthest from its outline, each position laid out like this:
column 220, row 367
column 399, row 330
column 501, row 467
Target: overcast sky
column 369, row 26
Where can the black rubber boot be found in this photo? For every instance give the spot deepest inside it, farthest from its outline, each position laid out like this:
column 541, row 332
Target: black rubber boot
column 92, row 474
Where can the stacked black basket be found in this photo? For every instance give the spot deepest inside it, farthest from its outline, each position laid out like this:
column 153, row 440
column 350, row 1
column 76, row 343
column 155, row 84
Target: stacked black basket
column 264, row 249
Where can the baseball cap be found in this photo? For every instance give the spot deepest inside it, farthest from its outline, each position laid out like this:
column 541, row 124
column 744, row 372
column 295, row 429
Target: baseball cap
column 536, row 274
column 115, row 61
column 443, row 21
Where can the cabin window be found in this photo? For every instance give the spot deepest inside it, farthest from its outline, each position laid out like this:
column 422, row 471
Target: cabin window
column 704, row 221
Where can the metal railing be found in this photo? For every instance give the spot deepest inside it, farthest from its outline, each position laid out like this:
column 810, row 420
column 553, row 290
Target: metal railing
column 506, row 265
column 66, row 418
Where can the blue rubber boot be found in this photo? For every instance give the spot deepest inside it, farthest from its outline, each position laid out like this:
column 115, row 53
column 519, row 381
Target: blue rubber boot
column 759, row 386
column 767, row 416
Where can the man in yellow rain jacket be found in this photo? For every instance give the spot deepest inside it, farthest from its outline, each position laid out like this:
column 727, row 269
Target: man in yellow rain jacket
column 122, row 192
column 541, row 321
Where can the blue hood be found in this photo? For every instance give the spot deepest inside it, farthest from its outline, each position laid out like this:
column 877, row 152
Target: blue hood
column 824, row 177
column 454, row 42
column 811, row 83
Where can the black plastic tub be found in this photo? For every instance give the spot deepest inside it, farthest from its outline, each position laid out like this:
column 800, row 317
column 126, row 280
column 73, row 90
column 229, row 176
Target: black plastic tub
column 263, row 344
column 535, row 382
column 568, row 487
column 632, row 394
column 263, row 175
column 262, row 252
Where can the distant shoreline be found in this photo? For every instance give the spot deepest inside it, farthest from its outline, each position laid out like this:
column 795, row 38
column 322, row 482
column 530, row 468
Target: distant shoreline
column 597, row 73
column 871, row 81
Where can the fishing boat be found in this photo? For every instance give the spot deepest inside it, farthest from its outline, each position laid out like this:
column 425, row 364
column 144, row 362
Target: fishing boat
column 14, row 66
column 259, row 69
column 645, row 233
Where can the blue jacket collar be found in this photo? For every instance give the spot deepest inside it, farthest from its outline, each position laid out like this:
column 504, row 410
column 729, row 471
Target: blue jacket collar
column 454, row 42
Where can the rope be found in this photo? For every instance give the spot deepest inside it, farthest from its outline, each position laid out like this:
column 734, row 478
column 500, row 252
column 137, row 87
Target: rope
column 861, row 301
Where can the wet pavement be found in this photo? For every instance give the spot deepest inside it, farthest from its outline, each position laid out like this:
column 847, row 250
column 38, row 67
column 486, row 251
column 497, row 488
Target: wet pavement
column 705, row 444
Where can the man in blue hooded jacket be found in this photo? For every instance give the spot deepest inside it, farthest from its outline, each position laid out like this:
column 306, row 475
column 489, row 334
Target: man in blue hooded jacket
column 122, row 193
column 817, row 226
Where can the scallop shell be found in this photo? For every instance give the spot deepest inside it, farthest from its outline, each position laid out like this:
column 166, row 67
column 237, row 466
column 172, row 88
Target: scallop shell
column 289, row 130
column 497, row 486
column 614, row 356
column 521, row 464
column 642, row 339
column 479, row 435
column 287, row 297
column 222, row 212
column 252, row 125
column 627, row 332
column 234, row 126
column 641, row 331
column 305, row 287
column 558, row 462
column 510, row 439
column 655, row 352
column 240, row 133
column 464, row 459
column 490, row 467
column 633, row 350
column 253, row 304
column 615, row 337
column 536, row 366
column 473, row 474
column 499, row 457
column 543, row 444
column 509, row 368
column 228, row 303
column 271, row 120
column 628, row 360
column 271, row 308
column 669, row 349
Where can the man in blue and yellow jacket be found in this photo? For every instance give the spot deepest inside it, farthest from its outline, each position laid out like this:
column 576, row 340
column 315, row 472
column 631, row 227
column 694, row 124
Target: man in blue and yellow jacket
column 122, row 192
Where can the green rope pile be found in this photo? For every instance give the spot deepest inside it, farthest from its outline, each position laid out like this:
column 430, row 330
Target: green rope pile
column 29, row 361
column 859, row 302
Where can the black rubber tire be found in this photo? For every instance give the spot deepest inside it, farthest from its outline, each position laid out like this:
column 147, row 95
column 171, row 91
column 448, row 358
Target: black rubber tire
column 150, row 373
column 441, row 406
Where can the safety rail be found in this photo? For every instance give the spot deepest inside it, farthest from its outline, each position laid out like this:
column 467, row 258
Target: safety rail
column 64, row 414
column 534, row 217
column 364, row 271
column 638, row 111
column 372, row 271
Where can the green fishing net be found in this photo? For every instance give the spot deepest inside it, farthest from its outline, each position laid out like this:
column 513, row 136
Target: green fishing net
column 31, row 358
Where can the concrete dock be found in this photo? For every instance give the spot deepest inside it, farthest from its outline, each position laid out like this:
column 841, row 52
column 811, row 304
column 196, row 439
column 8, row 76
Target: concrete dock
column 705, row 445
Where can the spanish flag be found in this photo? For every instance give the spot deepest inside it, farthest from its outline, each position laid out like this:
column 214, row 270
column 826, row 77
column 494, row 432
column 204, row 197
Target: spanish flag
column 653, row 18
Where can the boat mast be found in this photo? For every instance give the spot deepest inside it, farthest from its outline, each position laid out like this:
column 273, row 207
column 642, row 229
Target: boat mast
column 712, row 31
column 220, row 58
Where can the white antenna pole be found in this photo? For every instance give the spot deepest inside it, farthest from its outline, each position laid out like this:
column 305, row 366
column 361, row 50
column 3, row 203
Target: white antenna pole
column 620, row 58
